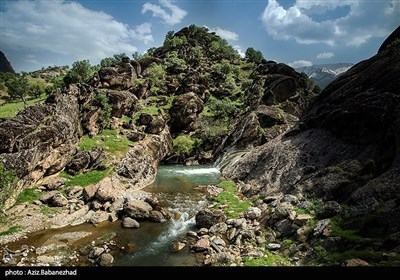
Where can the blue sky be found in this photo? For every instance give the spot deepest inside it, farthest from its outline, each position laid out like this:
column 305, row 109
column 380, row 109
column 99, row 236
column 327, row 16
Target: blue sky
column 299, row 33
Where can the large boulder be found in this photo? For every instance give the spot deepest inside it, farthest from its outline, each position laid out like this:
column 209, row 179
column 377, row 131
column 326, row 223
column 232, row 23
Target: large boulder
column 184, row 111
column 85, row 161
column 207, row 218
column 121, row 102
column 109, row 189
column 139, row 166
column 118, row 77
column 137, row 209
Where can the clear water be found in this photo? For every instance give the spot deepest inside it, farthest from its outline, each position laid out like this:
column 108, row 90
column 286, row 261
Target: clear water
column 174, row 187
column 150, row 244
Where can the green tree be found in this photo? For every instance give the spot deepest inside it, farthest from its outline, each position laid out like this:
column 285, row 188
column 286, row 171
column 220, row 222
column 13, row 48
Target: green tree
column 106, row 62
column 253, row 55
column 18, row 88
column 79, row 73
column 156, row 77
column 150, row 51
column 36, row 90
column 105, row 115
column 168, row 38
column 7, row 182
column 175, row 64
column 136, row 56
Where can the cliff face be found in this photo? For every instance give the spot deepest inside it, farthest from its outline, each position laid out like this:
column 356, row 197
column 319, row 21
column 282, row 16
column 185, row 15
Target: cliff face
column 345, row 147
column 5, row 65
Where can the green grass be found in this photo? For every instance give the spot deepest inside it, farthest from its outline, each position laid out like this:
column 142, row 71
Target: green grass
column 125, row 118
column 113, row 143
column 228, row 197
column 347, row 235
column 269, row 259
column 287, row 242
column 10, row 110
column 151, row 110
column 11, row 230
column 85, row 179
column 28, row 195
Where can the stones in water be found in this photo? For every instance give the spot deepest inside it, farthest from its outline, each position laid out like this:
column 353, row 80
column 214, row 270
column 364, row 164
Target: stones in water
column 130, row 223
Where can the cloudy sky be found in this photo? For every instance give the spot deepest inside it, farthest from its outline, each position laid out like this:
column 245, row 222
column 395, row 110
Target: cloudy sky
column 302, row 32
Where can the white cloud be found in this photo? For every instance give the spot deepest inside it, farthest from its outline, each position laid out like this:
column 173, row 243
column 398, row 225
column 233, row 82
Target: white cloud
column 175, row 16
column 325, row 55
column 142, row 32
column 365, row 19
column 300, row 63
column 225, row 34
column 68, row 29
column 239, row 50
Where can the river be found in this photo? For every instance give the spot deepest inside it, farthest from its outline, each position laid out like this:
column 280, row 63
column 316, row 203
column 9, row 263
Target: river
column 151, row 243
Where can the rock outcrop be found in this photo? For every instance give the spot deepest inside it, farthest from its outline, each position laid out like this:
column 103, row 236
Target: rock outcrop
column 42, row 139
column 345, row 148
column 119, row 77
column 5, row 65
column 139, row 165
column 184, row 111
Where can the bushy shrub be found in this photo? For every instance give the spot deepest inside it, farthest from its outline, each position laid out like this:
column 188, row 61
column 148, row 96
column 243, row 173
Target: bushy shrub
column 184, row 144
column 7, row 181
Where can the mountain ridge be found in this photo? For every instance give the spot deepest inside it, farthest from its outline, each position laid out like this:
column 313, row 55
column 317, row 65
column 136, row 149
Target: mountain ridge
column 323, row 74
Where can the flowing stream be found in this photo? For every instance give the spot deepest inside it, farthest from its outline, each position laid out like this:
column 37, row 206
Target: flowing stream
column 151, row 243
column 175, row 187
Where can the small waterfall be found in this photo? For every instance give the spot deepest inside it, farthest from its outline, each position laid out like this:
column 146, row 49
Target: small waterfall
column 229, row 157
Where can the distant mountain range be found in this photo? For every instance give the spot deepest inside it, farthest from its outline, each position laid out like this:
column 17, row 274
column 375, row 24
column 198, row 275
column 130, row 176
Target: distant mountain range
column 323, row 74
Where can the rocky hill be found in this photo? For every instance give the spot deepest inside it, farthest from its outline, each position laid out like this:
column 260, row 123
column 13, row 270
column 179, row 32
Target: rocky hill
column 185, row 102
column 321, row 169
column 345, row 151
column 323, row 74
column 5, row 65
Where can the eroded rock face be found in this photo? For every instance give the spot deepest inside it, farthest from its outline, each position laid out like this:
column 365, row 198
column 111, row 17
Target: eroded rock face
column 349, row 136
column 184, row 111
column 140, row 163
column 277, row 97
column 118, row 77
column 42, row 138
column 121, row 102
column 84, row 161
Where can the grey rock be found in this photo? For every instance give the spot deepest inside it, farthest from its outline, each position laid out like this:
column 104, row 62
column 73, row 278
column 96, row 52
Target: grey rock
column 207, row 218
column 253, row 213
column 322, row 228
column 89, row 192
column 98, row 217
column 219, row 228
column 96, row 252
column 130, row 223
column 284, row 227
column 156, row 216
column 106, row 259
column 47, row 197
column 290, row 199
column 177, row 246
column 58, row 200
column 273, row 246
column 201, row 245
column 137, row 209
column 330, row 209
column 109, row 189
column 283, row 210
column 74, row 192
